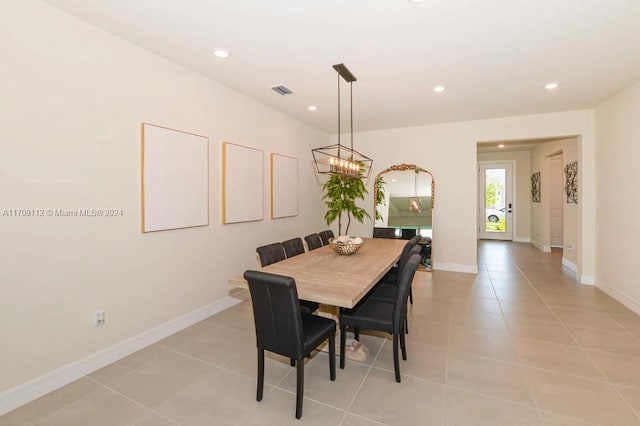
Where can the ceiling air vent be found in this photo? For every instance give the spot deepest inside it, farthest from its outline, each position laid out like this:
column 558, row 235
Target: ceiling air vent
column 283, row 90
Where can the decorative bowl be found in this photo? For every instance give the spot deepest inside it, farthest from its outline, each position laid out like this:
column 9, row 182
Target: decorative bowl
column 344, row 248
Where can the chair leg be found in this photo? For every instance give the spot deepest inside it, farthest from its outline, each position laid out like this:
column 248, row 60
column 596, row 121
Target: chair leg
column 332, row 357
column 260, row 374
column 403, row 346
column 292, row 362
column 410, row 294
column 299, row 387
column 356, row 334
column 406, row 324
column 396, row 362
column 343, row 343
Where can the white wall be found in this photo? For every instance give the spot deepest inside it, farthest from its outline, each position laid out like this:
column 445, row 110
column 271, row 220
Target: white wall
column 541, row 212
column 73, row 98
column 618, row 175
column 522, row 211
column 449, row 152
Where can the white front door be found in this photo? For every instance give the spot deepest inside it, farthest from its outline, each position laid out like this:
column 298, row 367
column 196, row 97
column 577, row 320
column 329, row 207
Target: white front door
column 495, row 201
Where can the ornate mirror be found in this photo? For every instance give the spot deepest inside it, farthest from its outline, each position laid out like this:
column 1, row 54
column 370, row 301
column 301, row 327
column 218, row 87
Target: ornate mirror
column 403, row 206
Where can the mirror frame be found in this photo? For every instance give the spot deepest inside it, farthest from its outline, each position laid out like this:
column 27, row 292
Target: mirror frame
column 404, row 168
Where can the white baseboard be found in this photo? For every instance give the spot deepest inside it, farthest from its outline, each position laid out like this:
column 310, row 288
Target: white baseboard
column 33, row 389
column 455, row 267
column 541, row 247
column 522, row 240
column 570, row 265
column 582, row 279
column 627, row 301
column 586, row 279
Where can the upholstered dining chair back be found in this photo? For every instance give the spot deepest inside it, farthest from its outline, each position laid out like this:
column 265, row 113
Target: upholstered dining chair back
column 403, row 260
column 313, row 241
column 415, row 239
column 406, row 249
column 293, row 247
column 325, row 235
column 276, row 313
column 389, row 233
column 271, row 253
column 404, row 284
column 407, row 233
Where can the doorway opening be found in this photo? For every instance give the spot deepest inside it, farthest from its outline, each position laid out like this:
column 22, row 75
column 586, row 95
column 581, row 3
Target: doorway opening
column 556, row 204
column 495, row 200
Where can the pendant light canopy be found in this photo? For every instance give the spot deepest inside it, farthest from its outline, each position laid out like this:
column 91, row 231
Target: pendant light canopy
column 339, row 159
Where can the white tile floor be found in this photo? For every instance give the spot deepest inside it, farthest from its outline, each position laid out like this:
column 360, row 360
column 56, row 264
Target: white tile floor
column 518, row 344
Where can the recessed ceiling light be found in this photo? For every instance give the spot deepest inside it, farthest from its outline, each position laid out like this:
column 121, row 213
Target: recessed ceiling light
column 501, row 146
column 221, row 53
column 551, row 86
column 416, row 1
column 312, row 108
column 394, row 180
column 439, row 89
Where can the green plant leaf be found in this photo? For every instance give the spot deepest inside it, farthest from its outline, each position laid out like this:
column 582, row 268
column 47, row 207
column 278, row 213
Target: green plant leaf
column 379, row 196
column 340, row 195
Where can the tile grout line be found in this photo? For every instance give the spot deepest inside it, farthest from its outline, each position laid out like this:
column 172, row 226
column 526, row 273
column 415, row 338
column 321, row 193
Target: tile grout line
column 40, row 420
column 520, row 365
column 535, row 289
column 446, row 367
column 109, row 388
column 607, row 380
column 355, row 395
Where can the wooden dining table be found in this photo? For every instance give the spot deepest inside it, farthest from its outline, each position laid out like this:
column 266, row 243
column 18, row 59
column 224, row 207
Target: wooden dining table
column 326, row 277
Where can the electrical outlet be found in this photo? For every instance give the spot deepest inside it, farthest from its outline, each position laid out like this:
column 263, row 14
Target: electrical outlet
column 570, row 248
column 98, row 318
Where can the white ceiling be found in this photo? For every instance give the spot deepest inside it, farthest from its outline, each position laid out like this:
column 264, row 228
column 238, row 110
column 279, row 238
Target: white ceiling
column 515, row 145
column 494, row 56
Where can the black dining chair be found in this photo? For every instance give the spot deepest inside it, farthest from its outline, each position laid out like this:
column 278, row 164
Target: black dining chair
column 275, row 252
column 387, row 288
column 293, row 247
column 407, row 233
column 282, row 329
column 271, row 253
column 313, row 241
column 390, row 278
column 389, row 233
column 372, row 314
column 325, row 235
column 388, row 291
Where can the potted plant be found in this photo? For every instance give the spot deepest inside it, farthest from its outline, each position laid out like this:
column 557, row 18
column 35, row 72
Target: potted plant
column 341, row 193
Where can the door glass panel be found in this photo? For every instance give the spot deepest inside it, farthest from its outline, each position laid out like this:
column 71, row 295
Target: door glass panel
column 495, row 200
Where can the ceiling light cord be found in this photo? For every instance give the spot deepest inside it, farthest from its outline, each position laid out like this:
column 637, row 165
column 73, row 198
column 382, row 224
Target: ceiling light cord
column 338, row 115
column 351, row 105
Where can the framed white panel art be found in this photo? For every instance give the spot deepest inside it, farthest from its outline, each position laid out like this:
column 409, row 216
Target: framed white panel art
column 242, row 183
column 175, row 179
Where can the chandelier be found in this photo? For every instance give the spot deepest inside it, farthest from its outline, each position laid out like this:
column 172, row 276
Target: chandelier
column 339, row 159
